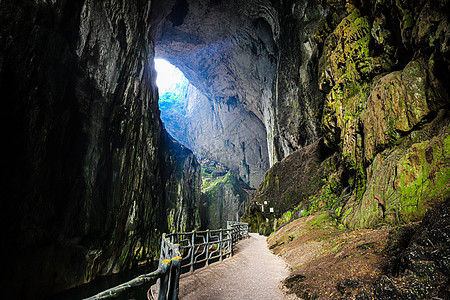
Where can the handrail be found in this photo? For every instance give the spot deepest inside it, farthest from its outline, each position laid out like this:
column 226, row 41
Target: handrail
column 185, row 249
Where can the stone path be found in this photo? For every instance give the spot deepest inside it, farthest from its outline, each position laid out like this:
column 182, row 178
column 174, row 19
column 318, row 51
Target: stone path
column 252, row 273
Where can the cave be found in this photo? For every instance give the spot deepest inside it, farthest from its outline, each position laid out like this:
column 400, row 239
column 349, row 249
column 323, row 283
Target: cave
column 311, row 106
column 228, row 142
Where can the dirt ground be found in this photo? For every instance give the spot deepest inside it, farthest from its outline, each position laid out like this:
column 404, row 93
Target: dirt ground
column 328, row 262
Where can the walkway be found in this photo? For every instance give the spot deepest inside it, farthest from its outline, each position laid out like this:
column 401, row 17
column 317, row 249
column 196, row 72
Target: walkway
column 252, row 273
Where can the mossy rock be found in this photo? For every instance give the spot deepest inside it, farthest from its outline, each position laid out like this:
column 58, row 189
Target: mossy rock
column 398, row 103
column 224, row 198
column 404, row 183
column 290, row 184
column 346, row 69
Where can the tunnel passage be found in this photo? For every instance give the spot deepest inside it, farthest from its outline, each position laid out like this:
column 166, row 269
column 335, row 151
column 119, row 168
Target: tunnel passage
column 227, row 141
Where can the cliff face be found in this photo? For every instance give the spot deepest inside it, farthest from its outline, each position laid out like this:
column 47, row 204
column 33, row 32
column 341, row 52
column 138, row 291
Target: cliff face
column 85, row 188
column 383, row 68
column 225, row 196
column 386, row 108
column 182, row 180
column 301, row 175
column 223, row 132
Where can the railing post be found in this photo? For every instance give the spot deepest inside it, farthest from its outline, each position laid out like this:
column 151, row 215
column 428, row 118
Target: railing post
column 207, row 247
column 230, row 240
column 192, row 252
column 164, row 280
column 220, row 244
column 175, row 274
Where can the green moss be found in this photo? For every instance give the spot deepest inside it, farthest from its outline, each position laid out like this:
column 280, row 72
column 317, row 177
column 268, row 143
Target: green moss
column 361, row 181
column 404, row 184
column 222, row 197
column 285, row 218
column 259, row 222
column 446, row 147
column 426, row 175
column 338, row 211
column 322, row 220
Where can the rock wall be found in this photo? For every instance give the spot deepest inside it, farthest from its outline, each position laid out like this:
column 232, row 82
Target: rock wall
column 386, row 110
column 86, row 192
column 420, row 269
column 223, row 132
column 225, row 196
column 182, row 179
column 289, row 187
column 382, row 68
column 297, row 100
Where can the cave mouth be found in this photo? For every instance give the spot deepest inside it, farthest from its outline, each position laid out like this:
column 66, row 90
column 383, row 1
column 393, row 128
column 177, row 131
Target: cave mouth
column 172, row 88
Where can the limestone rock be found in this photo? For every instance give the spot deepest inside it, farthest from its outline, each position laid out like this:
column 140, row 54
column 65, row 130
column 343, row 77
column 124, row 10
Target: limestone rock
column 86, row 193
column 404, row 182
column 224, row 132
column 182, row 180
column 297, row 100
column 289, row 184
column 398, row 103
column 345, row 63
column 224, row 198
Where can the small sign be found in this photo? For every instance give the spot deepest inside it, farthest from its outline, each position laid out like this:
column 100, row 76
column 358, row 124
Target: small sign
column 265, row 202
column 271, row 209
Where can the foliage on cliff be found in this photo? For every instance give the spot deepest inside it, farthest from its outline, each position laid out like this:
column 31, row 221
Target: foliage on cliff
column 224, row 195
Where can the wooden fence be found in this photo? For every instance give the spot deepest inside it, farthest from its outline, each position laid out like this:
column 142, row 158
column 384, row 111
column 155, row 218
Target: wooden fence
column 184, row 249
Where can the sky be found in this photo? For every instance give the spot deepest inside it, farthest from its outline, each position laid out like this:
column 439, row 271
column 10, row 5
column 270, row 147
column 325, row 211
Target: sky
column 168, row 75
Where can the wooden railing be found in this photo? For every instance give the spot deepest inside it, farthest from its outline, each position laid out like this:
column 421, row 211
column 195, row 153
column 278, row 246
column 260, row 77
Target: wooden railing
column 184, row 249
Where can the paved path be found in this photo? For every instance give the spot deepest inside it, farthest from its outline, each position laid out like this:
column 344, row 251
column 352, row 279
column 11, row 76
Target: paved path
column 252, row 273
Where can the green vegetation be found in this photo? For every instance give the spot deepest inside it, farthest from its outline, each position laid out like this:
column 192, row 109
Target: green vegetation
column 224, row 195
column 172, row 99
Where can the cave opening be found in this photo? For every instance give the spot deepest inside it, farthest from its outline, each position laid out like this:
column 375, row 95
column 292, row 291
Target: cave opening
column 172, row 88
column 209, row 130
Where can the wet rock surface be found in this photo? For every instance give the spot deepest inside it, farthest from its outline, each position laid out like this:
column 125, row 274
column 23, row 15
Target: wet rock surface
column 289, row 184
column 421, row 271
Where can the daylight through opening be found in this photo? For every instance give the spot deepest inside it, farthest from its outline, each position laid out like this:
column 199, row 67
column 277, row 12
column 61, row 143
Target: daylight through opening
column 172, row 85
